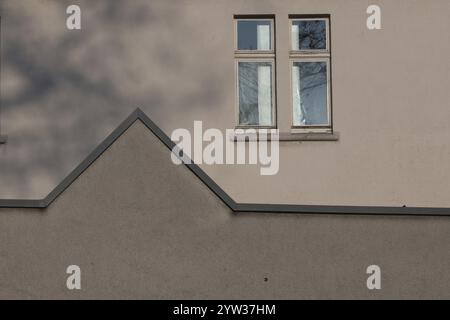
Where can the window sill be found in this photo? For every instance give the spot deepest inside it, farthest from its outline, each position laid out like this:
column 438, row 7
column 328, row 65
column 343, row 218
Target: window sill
column 310, row 136
column 3, row 139
column 288, row 136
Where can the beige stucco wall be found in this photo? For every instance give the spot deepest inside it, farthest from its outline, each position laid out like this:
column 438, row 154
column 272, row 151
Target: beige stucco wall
column 142, row 227
column 64, row 91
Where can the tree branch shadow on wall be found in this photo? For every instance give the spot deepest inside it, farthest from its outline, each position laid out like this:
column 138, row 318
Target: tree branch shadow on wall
column 64, row 91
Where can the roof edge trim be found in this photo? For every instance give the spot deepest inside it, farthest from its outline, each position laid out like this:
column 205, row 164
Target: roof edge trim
column 138, row 114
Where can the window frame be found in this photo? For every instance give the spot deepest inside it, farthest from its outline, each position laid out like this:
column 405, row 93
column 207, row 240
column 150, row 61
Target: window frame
column 319, row 55
column 296, row 128
column 255, row 56
column 316, row 51
column 237, row 109
column 256, row 52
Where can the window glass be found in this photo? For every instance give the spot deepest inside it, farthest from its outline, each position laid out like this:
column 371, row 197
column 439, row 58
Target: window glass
column 309, row 80
column 254, row 35
column 255, row 93
column 309, row 35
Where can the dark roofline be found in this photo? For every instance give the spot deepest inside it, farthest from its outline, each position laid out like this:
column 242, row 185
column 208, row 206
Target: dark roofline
column 138, row 114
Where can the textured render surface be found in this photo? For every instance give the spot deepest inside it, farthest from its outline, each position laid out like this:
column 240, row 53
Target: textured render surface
column 64, row 92
column 141, row 227
column 139, row 115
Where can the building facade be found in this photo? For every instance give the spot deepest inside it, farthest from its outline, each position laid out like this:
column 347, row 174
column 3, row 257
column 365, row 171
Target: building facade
column 362, row 116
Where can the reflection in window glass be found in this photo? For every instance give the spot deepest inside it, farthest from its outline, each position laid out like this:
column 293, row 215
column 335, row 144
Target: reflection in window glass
column 309, row 80
column 254, row 35
column 309, row 35
column 255, row 93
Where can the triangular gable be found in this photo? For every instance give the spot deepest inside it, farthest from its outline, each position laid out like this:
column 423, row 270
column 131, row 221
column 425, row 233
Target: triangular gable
column 138, row 114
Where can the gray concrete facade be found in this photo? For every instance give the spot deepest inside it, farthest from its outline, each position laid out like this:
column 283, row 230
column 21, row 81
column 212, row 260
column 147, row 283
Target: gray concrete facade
column 141, row 227
column 64, row 91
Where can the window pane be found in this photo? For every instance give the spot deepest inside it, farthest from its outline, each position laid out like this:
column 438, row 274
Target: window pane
column 309, row 35
column 255, row 93
column 309, row 81
column 254, row 35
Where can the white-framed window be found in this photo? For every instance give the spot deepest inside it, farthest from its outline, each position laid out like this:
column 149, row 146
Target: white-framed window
column 255, row 71
column 310, row 65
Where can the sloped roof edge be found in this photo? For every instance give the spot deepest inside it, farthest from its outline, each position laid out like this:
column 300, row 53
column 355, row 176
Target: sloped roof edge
column 138, row 114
